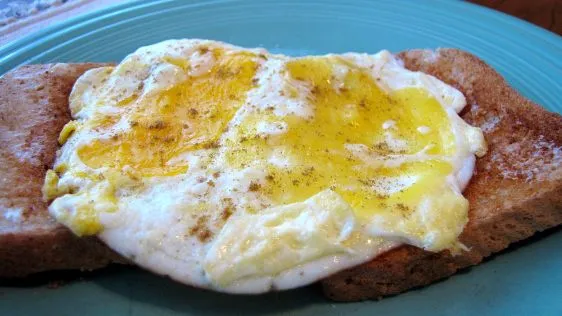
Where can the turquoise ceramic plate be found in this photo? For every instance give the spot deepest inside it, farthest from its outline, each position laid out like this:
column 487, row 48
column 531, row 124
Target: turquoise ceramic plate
column 524, row 281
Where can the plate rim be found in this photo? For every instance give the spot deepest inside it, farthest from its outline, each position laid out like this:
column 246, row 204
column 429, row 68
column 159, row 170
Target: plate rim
column 54, row 33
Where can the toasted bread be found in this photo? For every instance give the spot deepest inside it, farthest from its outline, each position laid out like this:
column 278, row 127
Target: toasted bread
column 516, row 189
column 33, row 109
column 515, row 192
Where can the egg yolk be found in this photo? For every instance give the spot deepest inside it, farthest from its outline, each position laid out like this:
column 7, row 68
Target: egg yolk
column 379, row 151
column 352, row 112
column 186, row 117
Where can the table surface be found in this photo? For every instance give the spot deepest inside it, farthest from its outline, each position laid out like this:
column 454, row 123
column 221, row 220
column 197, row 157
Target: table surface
column 21, row 17
column 544, row 13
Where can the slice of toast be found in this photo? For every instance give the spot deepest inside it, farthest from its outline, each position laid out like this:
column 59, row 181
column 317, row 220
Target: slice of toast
column 516, row 189
column 515, row 192
column 33, row 109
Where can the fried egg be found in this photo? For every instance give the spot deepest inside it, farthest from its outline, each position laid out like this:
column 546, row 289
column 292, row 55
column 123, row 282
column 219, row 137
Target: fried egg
column 242, row 171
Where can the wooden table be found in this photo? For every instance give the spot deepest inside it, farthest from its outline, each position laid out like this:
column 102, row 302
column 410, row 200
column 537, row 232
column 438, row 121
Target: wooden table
column 544, row 13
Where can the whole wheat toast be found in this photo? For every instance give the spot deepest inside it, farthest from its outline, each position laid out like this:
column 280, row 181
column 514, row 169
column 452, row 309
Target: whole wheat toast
column 516, row 189
column 514, row 193
column 33, row 110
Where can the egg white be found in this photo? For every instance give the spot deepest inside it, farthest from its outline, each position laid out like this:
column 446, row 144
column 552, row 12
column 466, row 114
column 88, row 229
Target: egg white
column 149, row 223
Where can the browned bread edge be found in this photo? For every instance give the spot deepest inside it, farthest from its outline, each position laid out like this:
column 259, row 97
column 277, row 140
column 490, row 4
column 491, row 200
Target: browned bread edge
column 516, row 189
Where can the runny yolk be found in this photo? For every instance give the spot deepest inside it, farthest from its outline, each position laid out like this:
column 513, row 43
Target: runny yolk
column 352, row 111
column 189, row 116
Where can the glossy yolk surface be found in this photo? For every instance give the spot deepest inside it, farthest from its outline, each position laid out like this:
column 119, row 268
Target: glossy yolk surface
column 189, row 116
column 353, row 113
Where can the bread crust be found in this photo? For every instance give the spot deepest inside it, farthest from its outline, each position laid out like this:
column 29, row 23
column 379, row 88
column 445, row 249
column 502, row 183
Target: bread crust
column 33, row 110
column 516, row 189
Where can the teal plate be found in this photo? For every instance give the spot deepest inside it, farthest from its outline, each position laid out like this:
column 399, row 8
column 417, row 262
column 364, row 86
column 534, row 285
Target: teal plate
column 524, row 281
